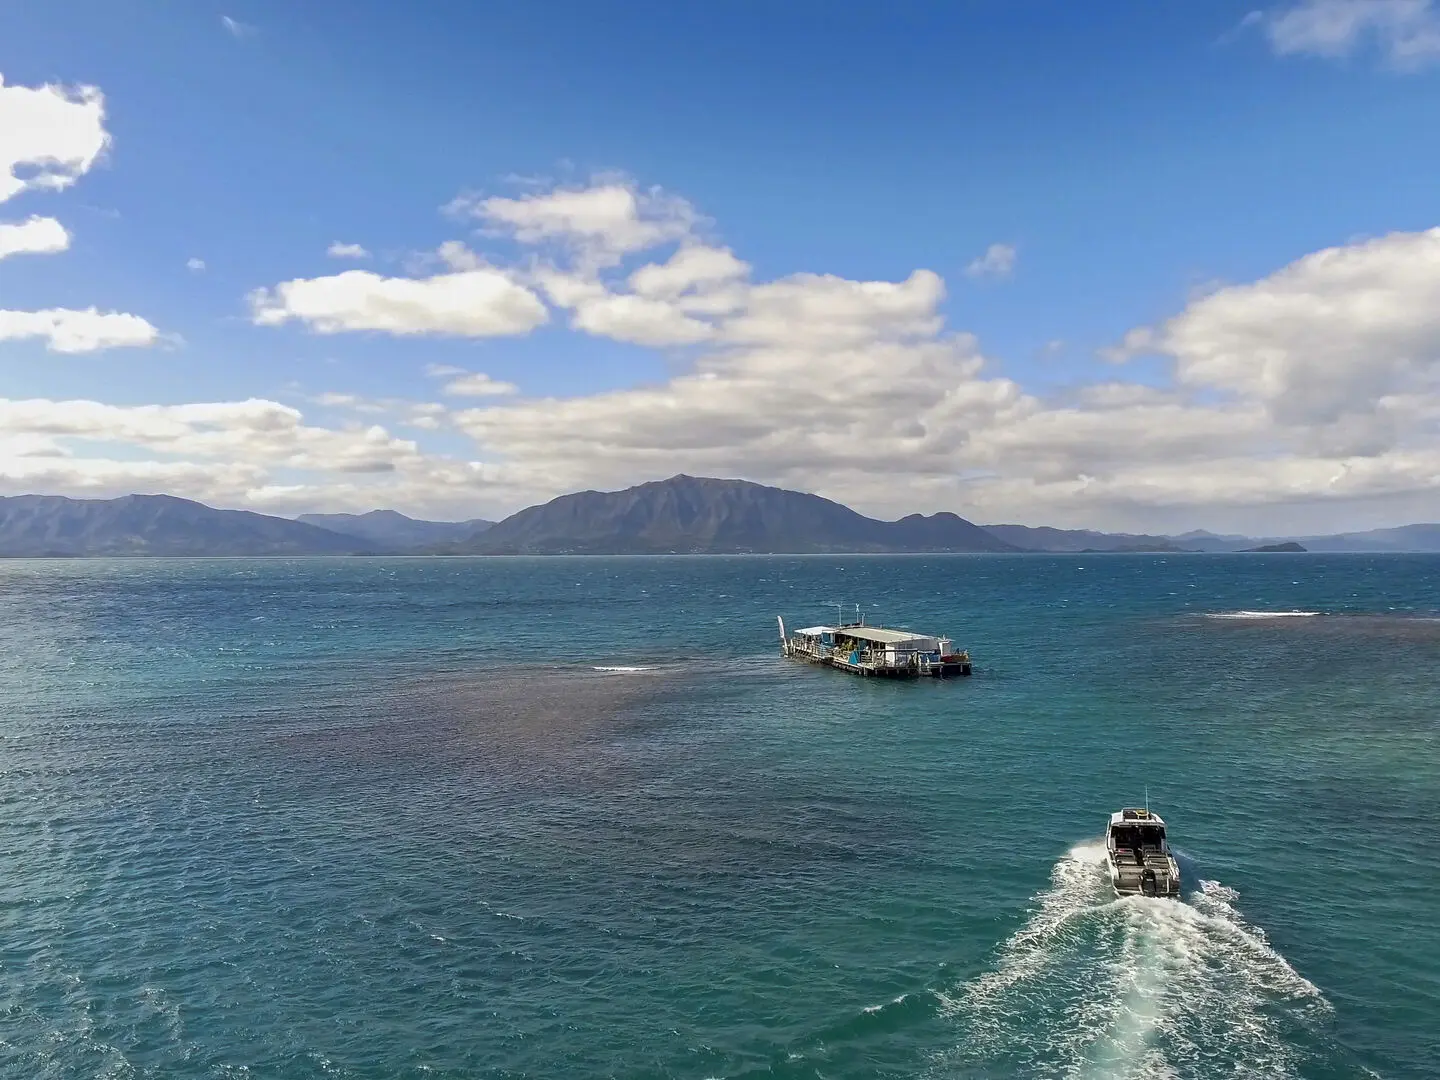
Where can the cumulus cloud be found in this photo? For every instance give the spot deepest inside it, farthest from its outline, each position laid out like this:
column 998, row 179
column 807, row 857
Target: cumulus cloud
column 1316, row 384
column 337, row 250
column 1314, row 378
column 67, row 331
column 604, row 221
column 239, row 453
column 1406, row 32
column 34, row 236
column 997, row 262
column 692, row 267
column 195, row 265
column 484, row 302
column 1331, row 334
column 258, row 454
column 639, row 320
column 49, row 136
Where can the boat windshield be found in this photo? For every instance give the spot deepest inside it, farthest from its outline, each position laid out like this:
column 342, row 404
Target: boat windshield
column 1146, row 837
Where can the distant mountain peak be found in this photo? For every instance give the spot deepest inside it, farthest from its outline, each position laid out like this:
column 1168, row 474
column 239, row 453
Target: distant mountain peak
column 707, row 515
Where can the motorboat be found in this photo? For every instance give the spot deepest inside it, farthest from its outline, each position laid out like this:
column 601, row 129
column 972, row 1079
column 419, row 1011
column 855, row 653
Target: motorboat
column 1138, row 855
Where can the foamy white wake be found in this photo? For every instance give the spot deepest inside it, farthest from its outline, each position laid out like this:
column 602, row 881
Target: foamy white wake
column 1104, row 988
column 1262, row 614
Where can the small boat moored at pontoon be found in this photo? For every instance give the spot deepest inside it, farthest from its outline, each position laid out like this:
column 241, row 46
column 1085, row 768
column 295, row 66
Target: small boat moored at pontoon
column 1138, row 855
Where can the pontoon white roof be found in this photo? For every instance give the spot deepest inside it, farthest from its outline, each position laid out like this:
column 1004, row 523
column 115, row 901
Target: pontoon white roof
column 812, row 631
column 876, row 633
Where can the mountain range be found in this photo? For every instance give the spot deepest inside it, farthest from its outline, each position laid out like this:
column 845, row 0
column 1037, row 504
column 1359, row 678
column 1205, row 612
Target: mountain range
column 50, row 525
column 681, row 515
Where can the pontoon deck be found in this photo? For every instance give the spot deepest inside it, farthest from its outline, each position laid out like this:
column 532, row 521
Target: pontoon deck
column 875, row 650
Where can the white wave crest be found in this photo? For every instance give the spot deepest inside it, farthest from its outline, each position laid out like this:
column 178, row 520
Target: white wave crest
column 618, row 670
column 1263, row 614
column 1097, row 987
column 871, row 1010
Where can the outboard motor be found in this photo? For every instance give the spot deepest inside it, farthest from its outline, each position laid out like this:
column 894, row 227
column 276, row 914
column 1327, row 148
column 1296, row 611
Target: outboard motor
column 1148, row 885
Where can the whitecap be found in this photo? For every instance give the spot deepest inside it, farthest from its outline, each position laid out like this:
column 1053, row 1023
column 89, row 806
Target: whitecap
column 1262, row 614
column 871, row 1010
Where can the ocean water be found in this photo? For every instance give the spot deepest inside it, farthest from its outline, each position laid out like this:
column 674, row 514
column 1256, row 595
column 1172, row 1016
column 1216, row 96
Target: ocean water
column 577, row 818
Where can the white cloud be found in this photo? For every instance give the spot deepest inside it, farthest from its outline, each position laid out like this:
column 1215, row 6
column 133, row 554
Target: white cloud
column 237, row 29
column 258, row 432
column 36, row 236
column 256, row 453
column 639, row 320
column 1407, row 32
column 605, row 220
column 484, row 302
column 67, row 331
column 1317, row 385
column 822, row 311
column 462, row 383
column 337, row 250
column 457, row 256
column 195, row 265
column 49, row 136
column 1326, row 373
column 336, row 400
column 478, row 384
column 692, row 266
column 1331, row 334
column 997, row 262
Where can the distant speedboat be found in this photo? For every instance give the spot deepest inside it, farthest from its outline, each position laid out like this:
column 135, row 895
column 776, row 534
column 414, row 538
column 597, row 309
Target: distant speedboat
column 1138, row 855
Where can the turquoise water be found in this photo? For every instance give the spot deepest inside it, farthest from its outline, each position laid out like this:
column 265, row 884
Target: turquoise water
column 385, row 818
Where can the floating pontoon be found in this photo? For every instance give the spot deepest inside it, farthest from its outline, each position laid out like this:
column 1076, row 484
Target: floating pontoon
column 875, row 650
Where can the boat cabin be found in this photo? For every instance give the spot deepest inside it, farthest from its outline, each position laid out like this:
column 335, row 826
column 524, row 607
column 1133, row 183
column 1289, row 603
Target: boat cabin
column 1136, row 833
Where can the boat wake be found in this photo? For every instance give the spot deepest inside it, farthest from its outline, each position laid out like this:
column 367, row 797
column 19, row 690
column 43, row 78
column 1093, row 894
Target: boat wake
column 1098, row 987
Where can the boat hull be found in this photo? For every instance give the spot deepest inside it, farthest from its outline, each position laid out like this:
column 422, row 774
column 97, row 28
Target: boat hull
column 1157, row 879
column 945, row 669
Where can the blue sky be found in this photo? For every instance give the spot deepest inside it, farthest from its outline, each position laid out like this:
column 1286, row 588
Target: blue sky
column 1130, row 165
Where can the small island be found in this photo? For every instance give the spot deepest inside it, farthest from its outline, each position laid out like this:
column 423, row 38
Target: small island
column 1288, row 546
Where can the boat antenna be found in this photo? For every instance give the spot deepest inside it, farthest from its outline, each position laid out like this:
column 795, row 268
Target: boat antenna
column 1147, row 798
column 839, row 614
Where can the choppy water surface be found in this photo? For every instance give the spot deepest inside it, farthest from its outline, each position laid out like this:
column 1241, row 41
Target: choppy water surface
column 575, row 817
